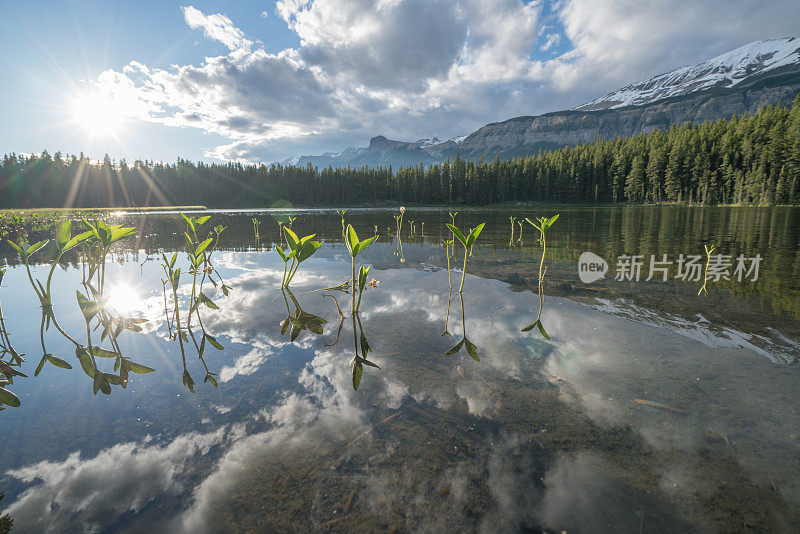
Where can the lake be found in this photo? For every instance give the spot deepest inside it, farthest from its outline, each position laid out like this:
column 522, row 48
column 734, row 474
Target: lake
column 650, row 408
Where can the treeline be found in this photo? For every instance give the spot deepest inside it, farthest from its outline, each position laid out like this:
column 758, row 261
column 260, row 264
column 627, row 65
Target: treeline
column 745, row 160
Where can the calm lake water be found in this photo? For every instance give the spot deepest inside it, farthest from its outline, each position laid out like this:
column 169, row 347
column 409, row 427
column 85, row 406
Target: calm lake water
column 650, row 408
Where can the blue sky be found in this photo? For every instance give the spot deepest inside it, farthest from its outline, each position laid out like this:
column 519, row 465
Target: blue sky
column 260, row 81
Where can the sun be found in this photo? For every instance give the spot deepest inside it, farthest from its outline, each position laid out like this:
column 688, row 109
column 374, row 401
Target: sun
column 98, row 113
column 125, row 299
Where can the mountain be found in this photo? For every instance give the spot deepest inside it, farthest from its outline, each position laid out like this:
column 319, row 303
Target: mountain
column 737, row 82
column 383, row 152
column 743, row 80
column 727, row 70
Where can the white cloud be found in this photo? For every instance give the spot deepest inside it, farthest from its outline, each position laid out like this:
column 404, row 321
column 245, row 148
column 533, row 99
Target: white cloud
column 97, row 490
column 217, row 27
column 416, row 68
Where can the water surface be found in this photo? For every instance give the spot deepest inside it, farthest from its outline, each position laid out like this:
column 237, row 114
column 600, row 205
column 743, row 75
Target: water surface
column 650, row 408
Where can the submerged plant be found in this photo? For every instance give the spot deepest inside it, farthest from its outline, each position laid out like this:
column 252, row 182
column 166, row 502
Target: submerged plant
column 467, row 241
column 10, row 361
column 299, row 250
column 709, row 251
column 341, row 213
column 356, row 247
column 96, row 242
column 472, row 350
column 543, row 224
column 360, row 360
column 299, row 320
column 201, row 268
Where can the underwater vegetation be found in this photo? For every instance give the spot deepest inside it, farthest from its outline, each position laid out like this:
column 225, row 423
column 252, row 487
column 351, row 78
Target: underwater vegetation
column 542, row 224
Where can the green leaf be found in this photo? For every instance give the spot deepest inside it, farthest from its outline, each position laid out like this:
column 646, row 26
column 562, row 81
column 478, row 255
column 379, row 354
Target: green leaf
column 187, row 381
column 458, row 234
column 553, row 219
column 100, row 352
column 530, row 327
column 534, row 224
column 139, row 369
column 202, row 220
column 280, row 252
column 63, row 233
column 472, row 350
column 358, row 371
column 203, row 246
column 352, row 240
column 88, row 307
column 58, row 362
column 365, row 348
column 37, row 246
column 8, row 398
column 474, row 234
column 364, row 244
column 114, row 380
column 214, row 343
column 40, row 366
column 208, row 302
column 455, row 349
column 16, row 247
column 367, row 362
column 291, row 238
column 307, row 249
column 86, row 361
column 188, row 221
column 542, row 331
column 80, row 238
column 211, row 379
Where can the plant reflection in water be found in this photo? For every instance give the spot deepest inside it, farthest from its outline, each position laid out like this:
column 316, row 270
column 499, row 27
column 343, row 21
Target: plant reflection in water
column 199, row 255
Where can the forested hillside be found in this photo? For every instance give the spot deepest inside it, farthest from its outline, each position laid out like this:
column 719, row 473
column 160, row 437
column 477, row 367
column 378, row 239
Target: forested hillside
column 751, row 160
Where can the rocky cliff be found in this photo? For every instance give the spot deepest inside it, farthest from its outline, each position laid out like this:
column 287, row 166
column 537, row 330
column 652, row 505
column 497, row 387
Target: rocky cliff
column 528, row 135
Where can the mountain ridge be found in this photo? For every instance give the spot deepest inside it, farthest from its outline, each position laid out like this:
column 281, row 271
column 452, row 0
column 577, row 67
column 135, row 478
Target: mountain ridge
column 739, row 81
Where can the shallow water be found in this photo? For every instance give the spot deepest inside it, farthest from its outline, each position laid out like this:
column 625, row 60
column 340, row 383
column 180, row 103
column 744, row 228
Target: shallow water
column 649, row 409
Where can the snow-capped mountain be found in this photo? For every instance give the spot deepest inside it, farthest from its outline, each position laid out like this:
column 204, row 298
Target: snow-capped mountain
column 726, row 70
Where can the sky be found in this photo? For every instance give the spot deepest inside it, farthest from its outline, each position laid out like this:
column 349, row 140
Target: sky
column 260, row 81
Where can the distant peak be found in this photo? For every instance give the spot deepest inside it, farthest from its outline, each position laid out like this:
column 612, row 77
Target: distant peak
column 725, row 70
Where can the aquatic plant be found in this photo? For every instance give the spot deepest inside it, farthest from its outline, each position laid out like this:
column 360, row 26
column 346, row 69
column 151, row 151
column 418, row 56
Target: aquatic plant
column 299, row 319
column 360, row 360
column 452, row 235
column 341, row 214
column 299, row 250
column 96, row 242
column 447, row 244
column 472, row 350
column 201, row 268
column 709, row 251
column 519, row 239
column 10, row 360
column 543, row 225
column 356, row 247
column 512, row 219
column 467, row 241
column 256, row 225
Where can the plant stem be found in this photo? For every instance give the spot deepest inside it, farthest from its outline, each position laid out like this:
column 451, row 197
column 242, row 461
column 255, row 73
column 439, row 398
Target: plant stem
column 464, row 272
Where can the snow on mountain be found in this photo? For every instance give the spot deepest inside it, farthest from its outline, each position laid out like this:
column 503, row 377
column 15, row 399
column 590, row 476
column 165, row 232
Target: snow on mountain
column 726, row 70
